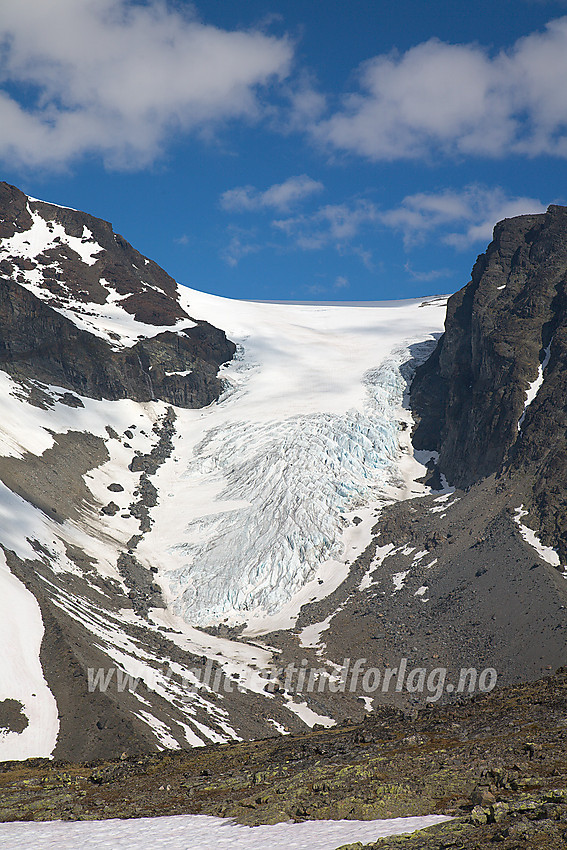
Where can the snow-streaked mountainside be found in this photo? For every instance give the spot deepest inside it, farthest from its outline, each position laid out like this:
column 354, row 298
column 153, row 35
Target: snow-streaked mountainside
column 135, row 522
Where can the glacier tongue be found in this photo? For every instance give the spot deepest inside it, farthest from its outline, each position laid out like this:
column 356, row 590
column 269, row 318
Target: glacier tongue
column 269, row 495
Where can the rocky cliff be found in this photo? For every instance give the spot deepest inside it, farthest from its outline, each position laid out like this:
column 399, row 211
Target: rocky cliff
column 57, row 266
column 492, row 398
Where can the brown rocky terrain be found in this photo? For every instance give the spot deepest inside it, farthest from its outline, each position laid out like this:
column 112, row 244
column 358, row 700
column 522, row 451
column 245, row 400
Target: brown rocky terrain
column 496, row 763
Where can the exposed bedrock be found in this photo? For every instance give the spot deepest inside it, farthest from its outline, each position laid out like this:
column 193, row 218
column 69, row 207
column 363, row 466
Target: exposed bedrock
column 506, row 330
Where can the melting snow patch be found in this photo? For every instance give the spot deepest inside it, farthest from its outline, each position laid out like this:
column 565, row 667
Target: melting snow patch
column 21, row 676
column 399, row 580
column 444, row 506
column 111, row 322
column 160, row 730
column 43, row 235
column 535, row 385
column 380, row 555
column 278, row 726
column 309, row 717
column 419, row 556
column 546, row 552
column 200, row 832
column 310, row 636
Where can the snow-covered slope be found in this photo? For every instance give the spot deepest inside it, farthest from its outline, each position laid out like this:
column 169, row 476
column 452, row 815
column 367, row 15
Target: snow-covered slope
column 21, row 676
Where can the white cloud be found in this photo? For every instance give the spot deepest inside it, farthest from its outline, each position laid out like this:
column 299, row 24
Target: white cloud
column 428, row 276
column 473, row 211
column 459, row 218
column 280, row 196
column 242, row 243
column 458, row 99
column 116, row 78
column 332, row 224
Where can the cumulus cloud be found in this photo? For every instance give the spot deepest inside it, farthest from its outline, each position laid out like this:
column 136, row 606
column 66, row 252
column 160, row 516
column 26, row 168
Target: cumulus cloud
column 332, row 224
column 460, row 217
column 280, row 196
column 115, row 78
column 440, row 98
column 338, row 227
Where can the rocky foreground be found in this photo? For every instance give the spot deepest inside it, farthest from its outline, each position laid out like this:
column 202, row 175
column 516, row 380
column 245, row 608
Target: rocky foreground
column 497, row 763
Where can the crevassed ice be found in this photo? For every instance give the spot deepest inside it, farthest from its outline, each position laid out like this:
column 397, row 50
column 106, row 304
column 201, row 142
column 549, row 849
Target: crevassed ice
column 293, row 479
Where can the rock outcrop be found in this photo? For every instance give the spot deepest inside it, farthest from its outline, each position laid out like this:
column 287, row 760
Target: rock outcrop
column 39, row 342
column 506, row 334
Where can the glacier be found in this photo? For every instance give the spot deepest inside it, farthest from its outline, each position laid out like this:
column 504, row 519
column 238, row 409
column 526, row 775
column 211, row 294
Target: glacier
column 256, row 495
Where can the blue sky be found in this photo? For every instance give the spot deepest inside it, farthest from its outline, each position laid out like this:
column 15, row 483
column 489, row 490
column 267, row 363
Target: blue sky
column 314, row 150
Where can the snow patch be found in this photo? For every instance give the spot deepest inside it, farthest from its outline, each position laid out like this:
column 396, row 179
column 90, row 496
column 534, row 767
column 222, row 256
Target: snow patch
column 44, row 235
column 111, row 322
column 535, row 385
column 308, row 716
column 546, row 552
column 399, row 580
column 310, row 636
column 21, row 676
column 278, row 727
column 200, row 832
column 380, row 555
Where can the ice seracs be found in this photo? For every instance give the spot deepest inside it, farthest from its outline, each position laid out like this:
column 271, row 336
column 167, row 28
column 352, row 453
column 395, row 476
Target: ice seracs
column 262, row 501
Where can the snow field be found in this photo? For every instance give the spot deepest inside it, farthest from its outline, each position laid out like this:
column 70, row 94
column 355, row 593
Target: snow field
column 198, row 832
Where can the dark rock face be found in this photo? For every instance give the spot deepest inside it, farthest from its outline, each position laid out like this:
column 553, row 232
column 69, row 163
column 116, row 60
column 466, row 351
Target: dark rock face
column 152, row 293
column 38, row 342
column 469, row 396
